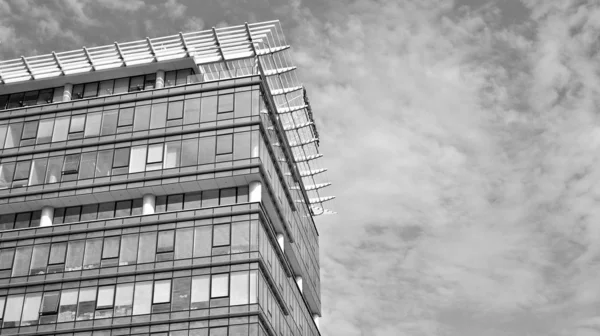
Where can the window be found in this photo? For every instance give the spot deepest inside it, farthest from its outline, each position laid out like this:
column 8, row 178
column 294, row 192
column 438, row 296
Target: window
column 6, row 258
column 56, row 263
column 155, row 157
column 75, row 255
column 86, row 304
column 150, row 82
column 77, row 92
column 15, row 100
column 121, row 160
column 240, row 237
column 22, row 221
column 200, row 290
column 7, row 171
column 220, row 235
column 92, row 126
column 175, row 113
column 124, row 300
column 38, row 171
column 104, row 163
column 175, row 202
column 72, row 214
column 189, row 152
column 39, row 259
column 91, row 90
column 110, row 251
column 91, row 259
column 71, row 165
column 30, row 98
column 129, row 248
column 164, row 250
column 88, row 165
column 54, row 170
column 243, row 104
column 22, row 260
column 185, row 243
column 45, row 96
column 13, row 137
column 106, row 88
column 67, row 308
column 21, row 178
column 136, row 83
column 61, row 129
column 142, row 298
column 191, row 111
column 172, row 154
column 219, row 285
column 109, row 122
column 121, row 85
column 29, row 132
column 227, row 196
column 31, row 309
column 207, row 150
column 3, row 101
column 158, row 116
column 147, row 248
column 239, row 288
column 13, row 315
column 89, row 212
column 44, row 134
column 219, row 331
column 209, row 109
column 170, row 78
column 162, row 296
column 142, row 118
column 225, row 103
column 77, row 127
column 104, row 306
column 125, row 123
column 182, row 76
column 181, row 293
column 202, row 241
column 242, row 145
column 225, row 144
column 49, row 309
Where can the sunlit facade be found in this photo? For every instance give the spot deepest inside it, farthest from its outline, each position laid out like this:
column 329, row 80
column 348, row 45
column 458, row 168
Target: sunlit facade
column 160, row 187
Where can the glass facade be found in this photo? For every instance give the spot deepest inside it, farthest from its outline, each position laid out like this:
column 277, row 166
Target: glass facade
column 132, row 209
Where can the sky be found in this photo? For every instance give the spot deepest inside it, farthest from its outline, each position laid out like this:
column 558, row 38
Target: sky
column 462, row 140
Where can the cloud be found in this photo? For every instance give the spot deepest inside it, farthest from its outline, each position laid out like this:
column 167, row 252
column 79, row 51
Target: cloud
column 463, row 155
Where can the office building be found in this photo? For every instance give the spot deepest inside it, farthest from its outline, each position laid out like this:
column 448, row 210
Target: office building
column 160, row 187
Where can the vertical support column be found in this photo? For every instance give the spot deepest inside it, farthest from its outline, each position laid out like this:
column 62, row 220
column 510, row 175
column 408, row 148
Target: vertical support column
column 316, row 319
column 47, row 216
column 255, row 192
column 160, row 79
column 280, row 241
column 299, row 282
column 149, row 204
column 67, row 92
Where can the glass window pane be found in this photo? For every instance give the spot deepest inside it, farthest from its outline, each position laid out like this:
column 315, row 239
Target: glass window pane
column 158, row 116
column 106, row 210
column 92, row 126
column 30, row 130
column 3, row 102
column 192, row 200
column 200, row 287
column 225, row 144
column 191, row 113
column 12, row 316
column 121, row 85
column 241, row 145
column 147, row 250
column 77, row 92
column 89, row 212
column 225, row 103
column 68, row 305
column 221, row 235
column 129, row 248
column 30, row 98
column 138, row 159
column 22, row 171
column 209, row 109
column 45, row 96
column 243, row 104
column 88, row 165
column 184, row 243
column 175, row 110
column 75, row 255
column 44, row 135
column 104, row 163
column 38, row 171
column 109, row 122
column 142, row 118
column 240, row 237
column 219, row 285
column 123, row 208
column 61, row 129
column 71, row 165
column 219, row 331
column 155, row 153
column 242, row 194
column 54, row 170
column 23, row 220
column 189, row 152
column 227, row 196
column 39, row 259
column 91, row 90
column 142, row 298
column 31, row 309
column 175, row 202
column 50, row 303
column 6, row 258
column 125, row 117
column 124, row 300
column 172, row 154
column 210, row 198
column 15, row 100
column 170, row 78
column 121, row 158
column 13, row 138
column 202, row 241
column 182, row 76
column 22, row 260
column 111, row 247
column 207, row 150
column 162, row 291
column 77, row 124
column 86, row 304
column 150, row 82
column 239, row 288
column 136, row 83
column 7, row 171
column 106, row 295
column 106, row 88
column 72, row 214
column 58, row 94
column 93, row 248
column 57, row 253
column 181, row 293
column 165, row 241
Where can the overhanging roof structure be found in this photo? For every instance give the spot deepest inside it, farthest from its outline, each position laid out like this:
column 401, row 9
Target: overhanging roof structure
column 219, row 53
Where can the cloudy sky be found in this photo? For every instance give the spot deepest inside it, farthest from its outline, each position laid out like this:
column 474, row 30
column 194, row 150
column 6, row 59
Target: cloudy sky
column 462, row 139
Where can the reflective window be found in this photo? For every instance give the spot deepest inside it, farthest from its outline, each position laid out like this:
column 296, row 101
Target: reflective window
column 142, row 298
column 225, row 103
column 219, row 285
column 200, row 292
column 86, row 303
column 67, row 308
column 12, row 316
column 124, row 300
column 31, row 309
